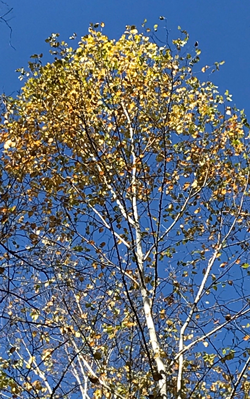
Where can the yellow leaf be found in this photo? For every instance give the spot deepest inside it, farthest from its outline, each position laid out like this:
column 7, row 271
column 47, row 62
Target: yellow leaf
column 98, row 394
column 203, row 69
column 9, row 144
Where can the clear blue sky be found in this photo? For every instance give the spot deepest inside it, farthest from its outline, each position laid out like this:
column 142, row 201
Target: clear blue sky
column 221, row 27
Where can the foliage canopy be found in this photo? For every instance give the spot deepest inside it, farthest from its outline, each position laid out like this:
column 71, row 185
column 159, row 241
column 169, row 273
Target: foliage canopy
column 124, row 227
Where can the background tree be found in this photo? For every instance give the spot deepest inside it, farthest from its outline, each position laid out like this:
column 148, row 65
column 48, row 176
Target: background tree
column 125, row 227
column 5, row 14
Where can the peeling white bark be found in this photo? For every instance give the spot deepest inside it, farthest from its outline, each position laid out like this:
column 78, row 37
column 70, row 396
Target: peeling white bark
column 147, row 306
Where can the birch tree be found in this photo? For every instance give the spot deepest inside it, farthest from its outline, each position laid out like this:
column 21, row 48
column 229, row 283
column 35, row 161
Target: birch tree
column 125, row 226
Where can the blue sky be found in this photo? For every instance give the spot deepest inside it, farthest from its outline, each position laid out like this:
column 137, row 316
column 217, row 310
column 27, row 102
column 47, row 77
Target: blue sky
column 221, row 27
